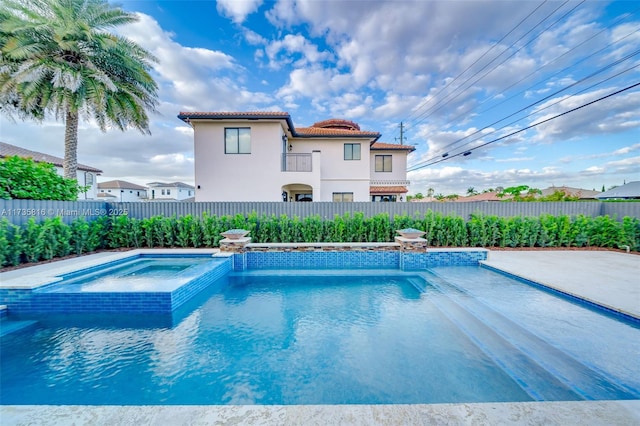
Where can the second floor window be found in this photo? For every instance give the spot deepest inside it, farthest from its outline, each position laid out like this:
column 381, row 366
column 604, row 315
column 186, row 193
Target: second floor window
column 237, row 140
column 383, row 163
column 351, row 151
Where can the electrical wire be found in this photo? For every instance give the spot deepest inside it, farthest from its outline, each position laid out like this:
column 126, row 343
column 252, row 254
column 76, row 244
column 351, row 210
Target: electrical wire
column 584, row 79
column 477, row 60
column 411, row 169
column 499, row 64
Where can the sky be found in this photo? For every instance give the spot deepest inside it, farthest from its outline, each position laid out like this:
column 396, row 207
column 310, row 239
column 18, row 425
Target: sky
column 527, row 89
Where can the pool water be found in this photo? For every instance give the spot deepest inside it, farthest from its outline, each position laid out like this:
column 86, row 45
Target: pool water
column 453, row 335
column 138, row 274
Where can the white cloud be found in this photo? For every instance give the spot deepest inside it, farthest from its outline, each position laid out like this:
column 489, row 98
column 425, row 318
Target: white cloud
column 237, row 10
column 289, row 46
column 185, row 73
column 615, row 114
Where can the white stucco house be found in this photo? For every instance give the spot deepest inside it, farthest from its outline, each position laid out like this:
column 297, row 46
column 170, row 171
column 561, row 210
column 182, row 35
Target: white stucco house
column 86, row 175
column 173, row 191
column 121, row 191
column 262, row 156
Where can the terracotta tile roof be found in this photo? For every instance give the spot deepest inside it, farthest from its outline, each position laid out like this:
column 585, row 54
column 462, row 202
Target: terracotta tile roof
column 337, row 123
column 573, row 192
column 388, row 189
column 320, row 131
column 172, row 184
column 8, row 150
column 105, row 195
column 120, row 184
column 486, row 196
column 230, row 114
column 392, row 146
column 337, row 127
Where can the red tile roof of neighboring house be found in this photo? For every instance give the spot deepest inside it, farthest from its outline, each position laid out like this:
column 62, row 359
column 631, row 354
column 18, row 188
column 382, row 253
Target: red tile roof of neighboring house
column 392, row 146
column 170, row 184
column 120, row 184
column 486, row 196
column 105, row 195
column 8, row 150
column 388, row 189
column 572, row 192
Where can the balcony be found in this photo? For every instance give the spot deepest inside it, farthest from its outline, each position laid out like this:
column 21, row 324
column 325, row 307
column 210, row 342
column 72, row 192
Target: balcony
column 396, row 182
column 296, row 163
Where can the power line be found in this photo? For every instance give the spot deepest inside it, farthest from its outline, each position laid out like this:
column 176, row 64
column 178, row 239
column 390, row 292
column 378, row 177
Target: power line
column 440, row 103
column 593, row 74
column 411, row 169
column 557, row 73
column 528, row 115
column 482, row 56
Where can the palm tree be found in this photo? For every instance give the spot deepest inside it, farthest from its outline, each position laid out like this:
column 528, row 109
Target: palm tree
column 57, row 57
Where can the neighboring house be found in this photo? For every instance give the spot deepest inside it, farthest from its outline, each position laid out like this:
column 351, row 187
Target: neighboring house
column 174, row 191
column 122, row 191
column 86, row 175
column 262, row 156
column 629, row 191
column 583, row 194
column 485, row 196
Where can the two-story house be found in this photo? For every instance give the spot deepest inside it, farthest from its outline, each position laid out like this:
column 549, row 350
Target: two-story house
column 262, row 156
column 86, row 175
column 173, row 191
column 122, row 191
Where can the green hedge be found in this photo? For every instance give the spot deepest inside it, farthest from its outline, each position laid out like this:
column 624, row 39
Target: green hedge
column 52, row 238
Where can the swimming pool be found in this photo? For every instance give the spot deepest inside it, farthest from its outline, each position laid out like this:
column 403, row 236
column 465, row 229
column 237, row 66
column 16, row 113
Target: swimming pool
column 138, row 283
column 450, row 334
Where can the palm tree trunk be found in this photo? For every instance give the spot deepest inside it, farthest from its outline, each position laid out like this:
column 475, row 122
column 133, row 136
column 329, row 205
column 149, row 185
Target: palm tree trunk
column 70, row 163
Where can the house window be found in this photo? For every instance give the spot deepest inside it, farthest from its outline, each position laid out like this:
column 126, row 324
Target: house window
column 351, row 151
column 108, row 190
column 168, row 192
column 383, row 163
column 384, row 198
column 342, row 197
column 138, row 193
column 88, row 179
column 189, row 193
column 237, row 140
column 304, row 197
column 162, row 192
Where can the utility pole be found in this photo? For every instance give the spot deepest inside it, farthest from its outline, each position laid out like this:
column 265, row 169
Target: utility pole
column 401, row 133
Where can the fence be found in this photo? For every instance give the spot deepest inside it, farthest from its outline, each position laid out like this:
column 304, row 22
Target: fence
column 18, row 212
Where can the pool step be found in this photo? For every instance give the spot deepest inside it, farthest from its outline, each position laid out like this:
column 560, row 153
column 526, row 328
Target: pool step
column 535, row 363
column 8, row 326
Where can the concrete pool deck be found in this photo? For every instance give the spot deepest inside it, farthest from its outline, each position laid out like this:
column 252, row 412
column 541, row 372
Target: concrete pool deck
column 607, row 278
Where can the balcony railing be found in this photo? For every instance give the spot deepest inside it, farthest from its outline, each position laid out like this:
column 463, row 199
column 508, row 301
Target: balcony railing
column 396, row 182
column 296, row 162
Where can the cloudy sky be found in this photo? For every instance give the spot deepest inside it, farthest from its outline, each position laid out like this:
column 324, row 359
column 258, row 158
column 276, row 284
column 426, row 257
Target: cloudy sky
column 462, row 76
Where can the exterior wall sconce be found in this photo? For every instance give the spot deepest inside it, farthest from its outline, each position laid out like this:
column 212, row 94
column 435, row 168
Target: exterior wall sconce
column 290, row 147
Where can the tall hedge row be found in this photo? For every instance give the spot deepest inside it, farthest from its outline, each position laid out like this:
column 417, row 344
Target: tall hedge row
column 52, row 238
